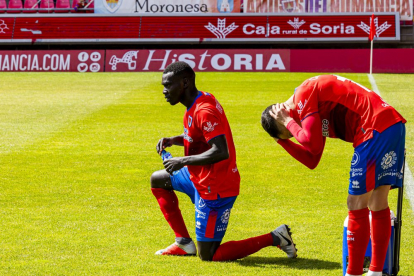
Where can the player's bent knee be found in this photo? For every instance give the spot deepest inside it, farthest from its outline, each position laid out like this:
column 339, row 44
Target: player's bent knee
column 160, row 179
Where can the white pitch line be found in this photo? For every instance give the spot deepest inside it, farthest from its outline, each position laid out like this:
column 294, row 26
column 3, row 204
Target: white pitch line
column 408, row 176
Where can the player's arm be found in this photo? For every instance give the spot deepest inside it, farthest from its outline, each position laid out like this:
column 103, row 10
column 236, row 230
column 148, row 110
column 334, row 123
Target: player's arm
column 309, row 135
column 219, row 151
column 168, row 142
column 300, row 153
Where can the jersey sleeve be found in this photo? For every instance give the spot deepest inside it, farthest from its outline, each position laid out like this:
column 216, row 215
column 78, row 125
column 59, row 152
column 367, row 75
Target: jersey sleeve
column 306, row 100
column 209, row 122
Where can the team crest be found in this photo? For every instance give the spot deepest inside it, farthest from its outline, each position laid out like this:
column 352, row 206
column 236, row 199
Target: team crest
column 288, row 5
column 112, row 5
column 190, row 121
column 225, row 6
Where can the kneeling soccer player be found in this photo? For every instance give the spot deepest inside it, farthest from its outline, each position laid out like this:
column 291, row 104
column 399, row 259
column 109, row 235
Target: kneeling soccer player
column 336, row 107
column 208, row 174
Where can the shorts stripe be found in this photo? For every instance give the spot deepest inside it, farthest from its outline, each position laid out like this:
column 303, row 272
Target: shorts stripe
column 211, row 224
column 370, row 180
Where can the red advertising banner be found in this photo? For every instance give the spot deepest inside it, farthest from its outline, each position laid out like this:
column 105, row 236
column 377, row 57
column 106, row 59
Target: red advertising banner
column 201, row 29
column 210, row 60
column 200, row 60
column 52, row 61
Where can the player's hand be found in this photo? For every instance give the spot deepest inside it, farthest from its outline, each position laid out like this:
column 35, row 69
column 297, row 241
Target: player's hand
column 173, row 164
column 280, row 112
column 164, row 143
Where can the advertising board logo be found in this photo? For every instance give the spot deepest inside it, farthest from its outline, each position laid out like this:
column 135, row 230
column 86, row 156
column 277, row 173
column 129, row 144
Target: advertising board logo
column 83, row 57
column 379, row 29
column 225, row 6
column 3, row 26
column 221, row 31
column 296, row 23
column 112, row 5
column 288, row 5
column 127, row 58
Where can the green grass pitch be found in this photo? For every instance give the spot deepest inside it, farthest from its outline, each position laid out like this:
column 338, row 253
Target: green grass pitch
column 77, row 152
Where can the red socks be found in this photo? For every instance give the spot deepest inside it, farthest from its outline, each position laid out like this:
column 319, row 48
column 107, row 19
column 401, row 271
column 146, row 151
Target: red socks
column 358, row 239
column 168, row 202
column 234, row 250
column 380, row 237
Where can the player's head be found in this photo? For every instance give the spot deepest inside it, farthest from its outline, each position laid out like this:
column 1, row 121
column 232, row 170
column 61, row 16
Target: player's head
column 176, row 79
column 272, row 127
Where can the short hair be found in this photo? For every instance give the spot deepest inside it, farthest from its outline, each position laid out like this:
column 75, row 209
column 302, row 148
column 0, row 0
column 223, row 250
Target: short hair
column 269, row 124
column 180, row 68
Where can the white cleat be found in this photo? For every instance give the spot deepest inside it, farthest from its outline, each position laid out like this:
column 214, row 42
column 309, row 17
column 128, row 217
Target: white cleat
column 286, row 241
column 176, row 249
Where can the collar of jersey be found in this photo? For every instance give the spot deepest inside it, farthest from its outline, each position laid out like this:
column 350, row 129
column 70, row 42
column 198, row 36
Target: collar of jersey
column 198, row 96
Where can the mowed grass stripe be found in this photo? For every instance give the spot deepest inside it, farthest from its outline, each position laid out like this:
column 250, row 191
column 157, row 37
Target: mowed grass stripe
column 78, row 202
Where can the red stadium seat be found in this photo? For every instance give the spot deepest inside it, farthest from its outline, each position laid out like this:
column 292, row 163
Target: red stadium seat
column 62, row 6
column 46, row 6
column 90, row 5
column 30, row 6
column 3, row 6
column 15, row 6
column 82, row 6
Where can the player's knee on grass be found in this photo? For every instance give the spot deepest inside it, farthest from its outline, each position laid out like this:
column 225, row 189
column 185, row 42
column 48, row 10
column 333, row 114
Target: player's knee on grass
column 161, row 179
column 206, row 250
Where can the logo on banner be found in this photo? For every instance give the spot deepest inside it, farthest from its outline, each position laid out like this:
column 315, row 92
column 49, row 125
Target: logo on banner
column 3, row 26
column 127, row 58
column 83, row 66
column 112, row 5
column 221, row 31
column 225, row 6
column 380, row 29
column 295, row 23
column 288, row 5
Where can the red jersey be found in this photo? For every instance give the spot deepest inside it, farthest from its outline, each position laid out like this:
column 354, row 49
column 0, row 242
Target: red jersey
column 203, row 121
column 347, row 110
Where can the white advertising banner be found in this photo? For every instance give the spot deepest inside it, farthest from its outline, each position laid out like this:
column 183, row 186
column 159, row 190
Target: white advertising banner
column 167, row 6
column 404, row 7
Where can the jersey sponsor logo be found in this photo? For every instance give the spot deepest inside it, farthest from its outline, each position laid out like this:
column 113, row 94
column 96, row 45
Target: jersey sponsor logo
column 201, row 203
column 325, row 128
column 355, row 159
column 198, row 225
column 186, row 136
column 301, row 106
column 200, row 214
column 355, row 184
column 234, row 169
column 190, row 121
column 210, row 127
column 219, row 108
column 225, row 216
column 356, row 172
column 389, row 160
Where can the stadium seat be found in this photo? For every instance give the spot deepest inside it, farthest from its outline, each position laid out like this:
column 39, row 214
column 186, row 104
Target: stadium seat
column 31, row 6
column 46, row 6
column 3, row 6
column 15, row 6
column 91, row 5
column 62, row 6
column 83, row 6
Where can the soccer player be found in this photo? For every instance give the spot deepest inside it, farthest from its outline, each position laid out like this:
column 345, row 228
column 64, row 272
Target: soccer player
column 336, row 107
column 208, row 174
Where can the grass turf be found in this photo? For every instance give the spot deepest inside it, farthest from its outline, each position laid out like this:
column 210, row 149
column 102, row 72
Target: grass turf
column 77, row 151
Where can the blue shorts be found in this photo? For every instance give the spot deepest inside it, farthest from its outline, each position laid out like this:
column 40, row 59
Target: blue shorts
column 378, row 161
column 212, row 216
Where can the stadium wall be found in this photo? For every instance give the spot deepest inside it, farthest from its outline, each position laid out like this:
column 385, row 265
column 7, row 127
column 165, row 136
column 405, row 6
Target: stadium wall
column 209, row 60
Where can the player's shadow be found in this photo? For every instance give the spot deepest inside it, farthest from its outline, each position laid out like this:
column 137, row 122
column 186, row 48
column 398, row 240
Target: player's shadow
column 299, row 263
